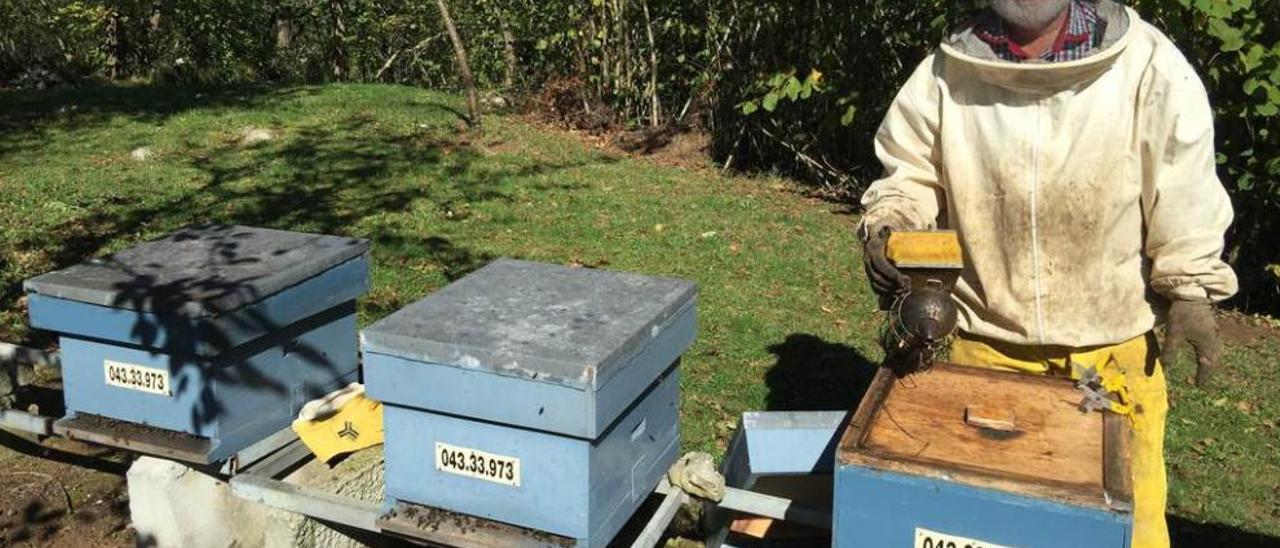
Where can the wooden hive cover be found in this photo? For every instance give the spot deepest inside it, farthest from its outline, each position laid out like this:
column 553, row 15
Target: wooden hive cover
column 1011, row 432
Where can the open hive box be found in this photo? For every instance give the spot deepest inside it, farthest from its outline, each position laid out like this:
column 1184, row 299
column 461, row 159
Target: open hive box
column 961, row 456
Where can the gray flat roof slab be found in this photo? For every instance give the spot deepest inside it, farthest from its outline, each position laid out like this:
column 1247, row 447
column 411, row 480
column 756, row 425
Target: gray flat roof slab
column 201, row 270
column 546, row 322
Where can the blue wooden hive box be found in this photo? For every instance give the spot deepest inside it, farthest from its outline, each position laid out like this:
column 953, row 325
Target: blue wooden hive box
column 197, row 345
column 959, row 456
column 540, row 396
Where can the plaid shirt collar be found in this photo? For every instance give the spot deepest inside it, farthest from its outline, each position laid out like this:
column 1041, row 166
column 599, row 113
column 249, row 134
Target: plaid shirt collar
column 1078, row 38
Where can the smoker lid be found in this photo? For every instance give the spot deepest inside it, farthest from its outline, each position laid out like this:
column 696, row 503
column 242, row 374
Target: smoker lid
column 202, row 270
column 571, row 326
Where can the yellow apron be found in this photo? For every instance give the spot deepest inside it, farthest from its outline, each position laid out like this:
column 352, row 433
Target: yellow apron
column 1134, row 361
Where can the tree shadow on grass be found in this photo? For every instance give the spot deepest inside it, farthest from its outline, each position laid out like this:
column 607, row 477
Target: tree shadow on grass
column 351, row 177
column 812, row 374
column 1186, row 533
column 322, row 177
column 27, row 117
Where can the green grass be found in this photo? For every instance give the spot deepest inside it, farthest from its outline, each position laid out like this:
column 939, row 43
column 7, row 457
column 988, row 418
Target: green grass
column 785, row 316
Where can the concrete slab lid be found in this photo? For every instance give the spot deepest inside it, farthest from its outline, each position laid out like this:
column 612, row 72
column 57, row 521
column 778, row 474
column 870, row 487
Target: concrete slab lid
column 202, row 270
column 572, row 326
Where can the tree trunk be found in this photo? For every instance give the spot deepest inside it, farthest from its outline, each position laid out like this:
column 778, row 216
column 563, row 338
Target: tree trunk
column 284, row 30
column 153, row 23
column 464, row 66
column 338, row 39
column 655, row 113
column 508, row 49
column 113, row 44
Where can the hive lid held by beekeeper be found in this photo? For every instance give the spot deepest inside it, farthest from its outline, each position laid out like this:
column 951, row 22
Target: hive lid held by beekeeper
column 199, row 271
column 528, row 326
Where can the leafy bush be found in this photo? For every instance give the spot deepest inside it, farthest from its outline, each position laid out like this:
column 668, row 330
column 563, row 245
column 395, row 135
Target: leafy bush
column 792, row 87
column 1235, row 45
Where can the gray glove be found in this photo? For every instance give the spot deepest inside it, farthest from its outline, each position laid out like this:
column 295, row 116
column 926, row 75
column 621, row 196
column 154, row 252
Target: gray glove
column 1193, row 322
column 886, row 279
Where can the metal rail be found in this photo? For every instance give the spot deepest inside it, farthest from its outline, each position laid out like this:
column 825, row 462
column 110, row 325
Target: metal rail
column 30, row 423
column 308, row 502
column 652, row 532
column 766, row 506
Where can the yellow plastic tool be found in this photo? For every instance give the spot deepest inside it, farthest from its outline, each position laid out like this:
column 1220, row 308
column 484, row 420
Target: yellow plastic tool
column 339, row 423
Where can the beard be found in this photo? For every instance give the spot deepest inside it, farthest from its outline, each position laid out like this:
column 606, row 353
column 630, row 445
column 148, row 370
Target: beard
column 1029, row 14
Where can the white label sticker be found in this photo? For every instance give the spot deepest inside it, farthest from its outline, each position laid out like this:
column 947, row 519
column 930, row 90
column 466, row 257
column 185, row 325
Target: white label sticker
column 933, row 539
column 478, row 464
column 136, row 377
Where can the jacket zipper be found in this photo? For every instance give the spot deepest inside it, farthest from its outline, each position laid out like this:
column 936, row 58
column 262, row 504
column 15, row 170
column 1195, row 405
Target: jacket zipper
column 1035, row 233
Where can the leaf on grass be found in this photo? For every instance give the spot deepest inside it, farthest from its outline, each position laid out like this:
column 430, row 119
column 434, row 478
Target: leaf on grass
column 725, row 427
column 1201, row 446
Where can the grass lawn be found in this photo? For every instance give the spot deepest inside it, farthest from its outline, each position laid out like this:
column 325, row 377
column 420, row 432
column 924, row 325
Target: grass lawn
column 786, row 319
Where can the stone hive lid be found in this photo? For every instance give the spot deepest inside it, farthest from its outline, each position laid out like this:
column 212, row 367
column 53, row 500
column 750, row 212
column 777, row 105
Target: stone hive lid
column 200, row 271
column 549, row 323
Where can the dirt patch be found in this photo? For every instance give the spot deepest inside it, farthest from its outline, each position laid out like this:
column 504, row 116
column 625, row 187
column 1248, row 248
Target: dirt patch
column 1247, row 330
column 75, row 500
column 563, row 101
column 668, row 146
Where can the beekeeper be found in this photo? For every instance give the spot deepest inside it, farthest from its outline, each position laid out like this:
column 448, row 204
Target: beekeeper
column 1070, row 144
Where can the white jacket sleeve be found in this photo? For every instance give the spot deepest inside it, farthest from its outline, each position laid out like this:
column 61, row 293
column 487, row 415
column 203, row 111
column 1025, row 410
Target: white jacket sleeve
column 1187, row 210
column 908, row 195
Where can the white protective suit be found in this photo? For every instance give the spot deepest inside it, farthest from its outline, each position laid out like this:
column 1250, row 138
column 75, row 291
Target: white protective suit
column 1077, row 188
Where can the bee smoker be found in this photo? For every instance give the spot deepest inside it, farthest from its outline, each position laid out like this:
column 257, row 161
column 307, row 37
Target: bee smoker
column 922, row 316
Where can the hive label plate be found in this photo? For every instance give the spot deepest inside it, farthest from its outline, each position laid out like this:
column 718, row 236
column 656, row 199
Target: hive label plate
column 136, row 377
column 933, row 539
column 478, row 464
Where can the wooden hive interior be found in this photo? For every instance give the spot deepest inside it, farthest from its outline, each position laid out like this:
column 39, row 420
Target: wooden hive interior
column 1016, row 433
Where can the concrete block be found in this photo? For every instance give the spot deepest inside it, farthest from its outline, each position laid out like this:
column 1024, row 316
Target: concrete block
column 359, row 477
column 8, row 384
column 173, row 505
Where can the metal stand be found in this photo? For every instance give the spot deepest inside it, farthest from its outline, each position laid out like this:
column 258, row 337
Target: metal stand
column 254, row 474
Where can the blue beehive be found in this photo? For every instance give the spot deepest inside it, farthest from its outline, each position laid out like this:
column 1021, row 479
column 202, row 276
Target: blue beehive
column 196, row 345
column 961, row 457
column 536, row 395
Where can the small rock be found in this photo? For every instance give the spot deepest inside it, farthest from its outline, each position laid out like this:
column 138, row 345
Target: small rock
column 494, row 101
column 142, row 154
column 252, row 136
